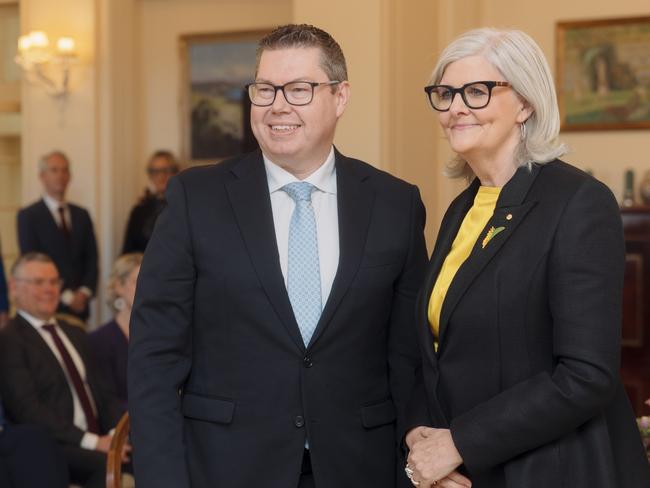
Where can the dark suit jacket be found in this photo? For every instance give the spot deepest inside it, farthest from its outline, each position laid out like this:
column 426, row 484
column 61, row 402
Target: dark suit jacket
column 526, row 375
column 34, row 388
column 222, row 391
column 4, row 301
column 75, row 258
column 141, row 222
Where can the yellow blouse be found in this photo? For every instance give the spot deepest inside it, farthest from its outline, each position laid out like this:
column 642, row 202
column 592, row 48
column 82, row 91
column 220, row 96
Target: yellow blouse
column 473, row 223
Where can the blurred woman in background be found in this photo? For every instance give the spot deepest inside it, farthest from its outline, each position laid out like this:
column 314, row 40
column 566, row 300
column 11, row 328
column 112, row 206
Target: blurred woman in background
column 110, row 341
column 161, row 167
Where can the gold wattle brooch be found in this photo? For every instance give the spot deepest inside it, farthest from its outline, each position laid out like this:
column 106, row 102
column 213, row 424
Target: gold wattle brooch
column 490, row 234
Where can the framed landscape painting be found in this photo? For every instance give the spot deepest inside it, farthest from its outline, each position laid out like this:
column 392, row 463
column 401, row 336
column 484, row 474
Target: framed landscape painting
column 214, row 104
column 603, row 73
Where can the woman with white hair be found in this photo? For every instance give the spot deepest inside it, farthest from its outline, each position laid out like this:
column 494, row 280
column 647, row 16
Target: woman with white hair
column 110, row 341
column 520, row 313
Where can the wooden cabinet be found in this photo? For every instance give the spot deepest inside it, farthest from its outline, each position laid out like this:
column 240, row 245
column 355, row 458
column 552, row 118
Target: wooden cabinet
column 635, row 352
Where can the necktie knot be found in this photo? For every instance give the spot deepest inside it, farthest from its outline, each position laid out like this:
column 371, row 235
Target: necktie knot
column 299, row 190
column 49, row 327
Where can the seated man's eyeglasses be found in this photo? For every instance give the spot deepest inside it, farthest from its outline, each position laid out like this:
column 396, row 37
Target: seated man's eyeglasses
column 160, row 171
column 295, row 92
column 39, row 282
column 476, row 94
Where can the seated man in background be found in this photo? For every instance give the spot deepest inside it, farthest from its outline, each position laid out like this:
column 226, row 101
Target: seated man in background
column 47, row 376
column 29, row 458
column 63, row 231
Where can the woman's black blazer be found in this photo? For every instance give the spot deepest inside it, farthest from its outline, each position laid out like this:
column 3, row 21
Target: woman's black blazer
column 527, row 372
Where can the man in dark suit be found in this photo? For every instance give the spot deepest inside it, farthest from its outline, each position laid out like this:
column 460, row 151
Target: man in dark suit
column 48, row 377
column 272, row 339
column 64, row 232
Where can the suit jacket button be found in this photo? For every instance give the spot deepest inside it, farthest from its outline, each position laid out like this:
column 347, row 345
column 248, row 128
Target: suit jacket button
column 299, row 421
column 307, row 362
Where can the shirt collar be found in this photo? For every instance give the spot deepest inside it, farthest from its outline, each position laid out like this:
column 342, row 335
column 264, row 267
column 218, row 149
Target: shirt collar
column 52, row 203
column 324, row 178
column 36, row 322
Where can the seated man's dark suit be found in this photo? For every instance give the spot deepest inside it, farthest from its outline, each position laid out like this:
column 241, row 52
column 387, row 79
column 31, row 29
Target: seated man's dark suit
column 222, row 390
column 74, row 256
column 35, row 391
column 4, row 301
column 29, row 457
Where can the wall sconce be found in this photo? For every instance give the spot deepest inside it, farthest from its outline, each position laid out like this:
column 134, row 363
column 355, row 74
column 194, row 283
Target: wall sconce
column 34, row 54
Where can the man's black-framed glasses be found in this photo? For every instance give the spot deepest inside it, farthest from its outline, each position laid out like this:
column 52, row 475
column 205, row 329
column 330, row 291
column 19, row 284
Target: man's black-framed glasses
column 476, row 94
column 295, row 92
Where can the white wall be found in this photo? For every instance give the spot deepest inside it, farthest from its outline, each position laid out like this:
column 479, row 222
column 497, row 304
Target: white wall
column 357, row 27
column 48, row 124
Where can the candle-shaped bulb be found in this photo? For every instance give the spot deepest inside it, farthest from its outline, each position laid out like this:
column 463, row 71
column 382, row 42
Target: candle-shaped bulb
column 65, row 46
column 38, row 39
column 24, row 43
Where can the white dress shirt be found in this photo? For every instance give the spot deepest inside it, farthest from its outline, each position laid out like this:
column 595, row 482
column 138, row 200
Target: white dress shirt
column 325, row 211
column 53, row 206
column 89, row 440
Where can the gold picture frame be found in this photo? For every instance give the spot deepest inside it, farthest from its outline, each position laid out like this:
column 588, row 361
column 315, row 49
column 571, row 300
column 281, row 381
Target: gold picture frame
column 603, row 74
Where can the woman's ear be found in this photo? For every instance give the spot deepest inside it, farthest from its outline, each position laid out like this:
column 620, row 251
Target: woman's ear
column 524, row 112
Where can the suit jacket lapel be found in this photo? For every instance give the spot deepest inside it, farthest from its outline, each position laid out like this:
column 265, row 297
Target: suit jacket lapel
column 509, row 213
column 447, row 233
column 48, row 222
column 36, row 342
column 354, row 200
column 75, row 226
column 251, row 202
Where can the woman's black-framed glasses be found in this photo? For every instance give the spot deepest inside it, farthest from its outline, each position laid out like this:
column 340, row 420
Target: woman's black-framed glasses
column 476, row 94
column 295, row 92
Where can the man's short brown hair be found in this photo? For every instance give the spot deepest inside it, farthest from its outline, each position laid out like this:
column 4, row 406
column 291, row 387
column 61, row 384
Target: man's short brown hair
column 307, row 36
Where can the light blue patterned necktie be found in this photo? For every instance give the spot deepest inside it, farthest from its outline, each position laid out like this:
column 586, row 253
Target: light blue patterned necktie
column 303, row 275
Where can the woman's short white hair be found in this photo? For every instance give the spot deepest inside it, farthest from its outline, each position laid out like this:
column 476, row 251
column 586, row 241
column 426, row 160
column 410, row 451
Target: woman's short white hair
column 521, row 61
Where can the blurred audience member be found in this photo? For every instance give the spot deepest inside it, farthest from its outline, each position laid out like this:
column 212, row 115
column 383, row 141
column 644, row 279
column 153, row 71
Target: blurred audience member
column 29, row 457
column 4, row 302
column 110, row 342
column 162, row 166
column 48, row 377
column 64, row 232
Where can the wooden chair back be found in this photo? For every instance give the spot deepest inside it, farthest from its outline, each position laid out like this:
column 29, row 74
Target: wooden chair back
column 114, row 460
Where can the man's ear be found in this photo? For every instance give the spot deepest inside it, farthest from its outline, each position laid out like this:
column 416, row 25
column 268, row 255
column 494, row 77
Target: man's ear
column 342, row 97
column 11, row 286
